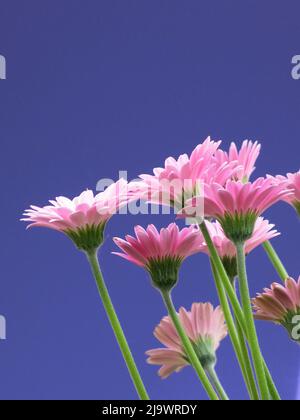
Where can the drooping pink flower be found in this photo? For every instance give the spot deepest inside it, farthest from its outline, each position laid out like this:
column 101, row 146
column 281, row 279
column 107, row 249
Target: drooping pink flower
column 291, row 182
column 281, row 304
column 84, row 214
column 181, row 179
column 245, row 158
column 204, row 325
column 237, row 205
column 162, row 252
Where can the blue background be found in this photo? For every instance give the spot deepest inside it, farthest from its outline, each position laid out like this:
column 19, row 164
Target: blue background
column 95, row 87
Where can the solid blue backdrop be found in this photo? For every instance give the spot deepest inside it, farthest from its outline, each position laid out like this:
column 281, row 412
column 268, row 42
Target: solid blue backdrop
column 98, row 86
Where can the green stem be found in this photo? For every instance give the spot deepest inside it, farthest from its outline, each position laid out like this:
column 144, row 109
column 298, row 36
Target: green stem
column 251, row 376
column 252, row 335
column 243, row 341
column 237, row 339
column 276, row 261
column 223, row 276
column 217, row 384
column 238, row 313
column 188, row 347
column 116, row 326
column 272, row 387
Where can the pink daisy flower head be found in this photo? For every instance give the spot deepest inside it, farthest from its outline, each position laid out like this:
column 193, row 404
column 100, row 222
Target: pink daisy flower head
column 162, row 252
column 281, row 305
column 245, row 158
column 237, row 206
column 84, row 218
column 292, row 182
column 263, row 231
column 183, row 178
column 204, row 325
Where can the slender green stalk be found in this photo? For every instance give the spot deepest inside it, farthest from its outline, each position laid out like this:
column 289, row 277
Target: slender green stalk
column 217, row 384
column 237, row 339
column 276, row 261
column 243, row 342
column 238, row 312
column 224, row 277
column 252, row 335
column 272, row 387
column 193, row 358
column 251, row 376
column 116, row 326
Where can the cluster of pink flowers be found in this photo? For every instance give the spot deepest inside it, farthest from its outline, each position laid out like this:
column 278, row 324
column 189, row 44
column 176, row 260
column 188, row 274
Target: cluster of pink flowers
column 221, row 174
column 233, row 208
column 150, row 245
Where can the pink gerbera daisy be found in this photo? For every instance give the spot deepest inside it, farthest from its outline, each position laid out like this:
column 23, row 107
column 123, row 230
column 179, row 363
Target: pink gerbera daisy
column 281, row 304
column 292, row 182
column 245, row 158
column 237, row 205
column 84, row 218
column 204, row 325
column 263, row 231
column 183, row 178
column 162, row 252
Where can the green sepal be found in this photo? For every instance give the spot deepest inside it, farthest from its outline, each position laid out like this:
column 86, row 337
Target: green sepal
column 164, row 272
column 88, row 238
column 238, row 227
column 230, row 265
column 205, row 351
column 296, row 204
